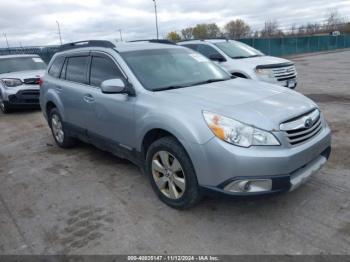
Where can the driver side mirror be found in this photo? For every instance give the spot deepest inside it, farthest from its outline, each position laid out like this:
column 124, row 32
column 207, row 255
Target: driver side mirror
column 113, row 86
column 217, row 58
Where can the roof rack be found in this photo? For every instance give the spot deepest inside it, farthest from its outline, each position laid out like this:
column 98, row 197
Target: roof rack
column 86, row 43
column 160, row 41
column 199, row 39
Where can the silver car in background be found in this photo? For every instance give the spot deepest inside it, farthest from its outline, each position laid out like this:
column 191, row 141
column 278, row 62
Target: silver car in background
column 19, row 81
column 183, row 119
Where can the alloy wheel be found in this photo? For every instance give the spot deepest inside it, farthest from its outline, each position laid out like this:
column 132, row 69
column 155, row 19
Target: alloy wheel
column 57, row 128
column 168, row 175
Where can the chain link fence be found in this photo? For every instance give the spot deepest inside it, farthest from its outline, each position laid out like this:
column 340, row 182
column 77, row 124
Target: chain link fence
column 297, row 45
column 44, row 52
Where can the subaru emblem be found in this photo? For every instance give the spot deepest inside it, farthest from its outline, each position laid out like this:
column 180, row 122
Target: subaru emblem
column 308, row 123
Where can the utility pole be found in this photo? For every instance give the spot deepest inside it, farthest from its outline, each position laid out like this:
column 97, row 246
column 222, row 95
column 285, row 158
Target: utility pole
column 121, row 37
column 59, row 31
column 7, row 42
column 155, row 12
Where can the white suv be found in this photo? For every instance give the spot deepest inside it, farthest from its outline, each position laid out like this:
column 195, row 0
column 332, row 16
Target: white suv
column 19, row 81
column 242, row 60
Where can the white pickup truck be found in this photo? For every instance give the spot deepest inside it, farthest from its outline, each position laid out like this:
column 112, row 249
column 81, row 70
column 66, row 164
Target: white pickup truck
column 242, row 60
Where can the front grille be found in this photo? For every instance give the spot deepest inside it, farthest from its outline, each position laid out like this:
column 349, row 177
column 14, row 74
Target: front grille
column 31, row 81
column 284, row 73
column 297, row 131
column 30, row 93
column 25, row 97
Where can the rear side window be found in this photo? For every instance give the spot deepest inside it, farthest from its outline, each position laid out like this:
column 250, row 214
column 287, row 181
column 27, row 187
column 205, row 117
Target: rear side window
column 207, row 50
column 103, row 68
column 56, row 66
column 76, row 69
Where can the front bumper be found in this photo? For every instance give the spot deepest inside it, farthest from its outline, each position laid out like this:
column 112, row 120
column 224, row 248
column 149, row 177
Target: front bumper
column 24, row 98
column 218, row 163
column 280, row 184
column 289, row 83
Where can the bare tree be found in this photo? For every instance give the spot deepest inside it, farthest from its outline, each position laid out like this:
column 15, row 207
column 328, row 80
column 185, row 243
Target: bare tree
column 237, row 29
column 187, row 33
column 334, row 20
column 271, row 29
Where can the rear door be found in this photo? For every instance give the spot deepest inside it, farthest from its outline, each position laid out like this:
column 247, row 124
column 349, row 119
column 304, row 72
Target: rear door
column 75, row 91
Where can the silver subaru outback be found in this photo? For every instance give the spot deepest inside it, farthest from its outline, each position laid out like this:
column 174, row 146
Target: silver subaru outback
column 192, row 128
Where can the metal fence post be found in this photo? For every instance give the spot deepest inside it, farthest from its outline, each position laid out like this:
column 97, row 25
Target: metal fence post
column 282, row 49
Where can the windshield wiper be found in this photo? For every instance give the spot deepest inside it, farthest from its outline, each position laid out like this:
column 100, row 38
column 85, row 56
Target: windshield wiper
column 169, row 87
column 239, row 57
column 191, row 84
column 242, row 57
column 210, row 81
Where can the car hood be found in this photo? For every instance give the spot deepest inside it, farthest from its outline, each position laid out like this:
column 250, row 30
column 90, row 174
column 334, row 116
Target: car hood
column 252, row 102
column 24, row 74
column 261, row 60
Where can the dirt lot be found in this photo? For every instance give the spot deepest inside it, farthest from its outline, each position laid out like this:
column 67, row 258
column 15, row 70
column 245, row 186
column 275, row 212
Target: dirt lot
column 85, row 201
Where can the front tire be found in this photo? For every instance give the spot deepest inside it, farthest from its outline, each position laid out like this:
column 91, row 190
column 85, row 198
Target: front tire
column 59, row 132
column 172, row 174
column 4, row 106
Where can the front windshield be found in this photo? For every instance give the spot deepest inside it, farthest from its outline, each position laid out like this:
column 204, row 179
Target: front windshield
column 15, row 64
column 162, row 69
column 238, row 50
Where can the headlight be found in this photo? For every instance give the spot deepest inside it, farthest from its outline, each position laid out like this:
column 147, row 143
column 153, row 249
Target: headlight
column 237, row 133
column 264, row 72
column 11, row 82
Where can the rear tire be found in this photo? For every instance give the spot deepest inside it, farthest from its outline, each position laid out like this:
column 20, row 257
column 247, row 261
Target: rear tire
column 171, row 173
column 59, row 131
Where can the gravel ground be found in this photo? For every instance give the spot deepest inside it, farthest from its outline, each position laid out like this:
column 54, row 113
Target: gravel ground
column 85, row 201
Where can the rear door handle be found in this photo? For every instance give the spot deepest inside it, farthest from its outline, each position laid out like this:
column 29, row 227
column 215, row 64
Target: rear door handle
column 89, row 98
column 58, row 88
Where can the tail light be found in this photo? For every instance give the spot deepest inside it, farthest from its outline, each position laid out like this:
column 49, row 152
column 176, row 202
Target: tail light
column 40, row 82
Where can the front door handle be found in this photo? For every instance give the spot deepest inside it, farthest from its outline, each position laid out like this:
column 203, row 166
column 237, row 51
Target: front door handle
column 89, row 98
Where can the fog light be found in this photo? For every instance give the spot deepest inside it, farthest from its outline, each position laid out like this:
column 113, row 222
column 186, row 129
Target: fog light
column 249, row 186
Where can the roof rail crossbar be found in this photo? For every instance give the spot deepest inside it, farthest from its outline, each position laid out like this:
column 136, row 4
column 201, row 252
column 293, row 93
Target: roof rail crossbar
column 160, row 41
column 87, row 43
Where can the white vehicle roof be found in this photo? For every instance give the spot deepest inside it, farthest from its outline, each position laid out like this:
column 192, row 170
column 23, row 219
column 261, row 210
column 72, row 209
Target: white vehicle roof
column 196, row 41
column 17, row 56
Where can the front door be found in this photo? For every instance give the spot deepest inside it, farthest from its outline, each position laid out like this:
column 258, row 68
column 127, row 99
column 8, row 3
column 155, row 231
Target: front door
column 113, row 113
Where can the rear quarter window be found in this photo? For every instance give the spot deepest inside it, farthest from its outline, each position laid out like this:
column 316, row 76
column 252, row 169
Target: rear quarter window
column 191, row 46
column 56, row 67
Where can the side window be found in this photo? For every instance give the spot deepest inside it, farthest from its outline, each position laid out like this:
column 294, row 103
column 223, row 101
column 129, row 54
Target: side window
column 207, row 50
column 56, row 66
column 192, row 46
column 103, row 68
column 76, row 69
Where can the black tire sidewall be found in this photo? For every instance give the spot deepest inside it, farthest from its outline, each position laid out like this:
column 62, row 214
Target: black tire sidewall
column 4, row 109
column 191, row 195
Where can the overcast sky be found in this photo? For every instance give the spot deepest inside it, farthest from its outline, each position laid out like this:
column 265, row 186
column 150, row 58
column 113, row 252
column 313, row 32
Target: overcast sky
column 33, row 22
